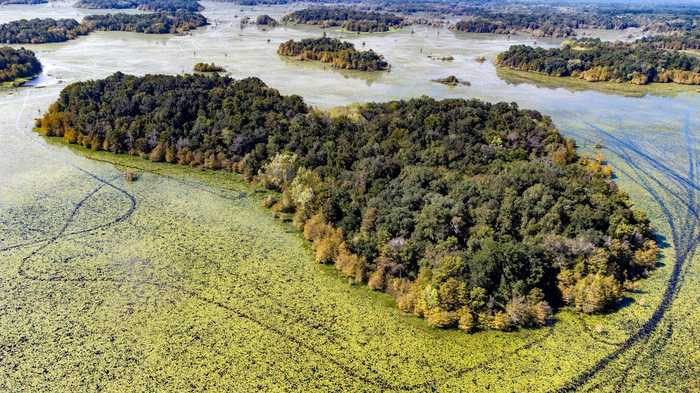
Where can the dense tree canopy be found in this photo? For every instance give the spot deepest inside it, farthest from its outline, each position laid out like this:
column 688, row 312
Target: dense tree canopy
column 679, row 41
column 146, row 5
column 348, row 18
column 470, row 214
column 17, row 64
column 594, row 60
column 36, row 31
column 339, row 54
column 208, row 67
column 158, row 23
column 540, row 23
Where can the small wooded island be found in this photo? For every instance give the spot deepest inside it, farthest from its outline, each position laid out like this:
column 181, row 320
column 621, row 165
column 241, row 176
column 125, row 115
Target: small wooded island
column 347, row 18
column 40, row 31
column 451, row 81
column 205, row 67
column 265, row 20
column 339, row 54
column 18, row 65
column 593, row 60
column 469, row 214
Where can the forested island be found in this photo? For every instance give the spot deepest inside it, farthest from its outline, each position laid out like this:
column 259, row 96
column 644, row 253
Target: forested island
column 469, row 214
column 208, row 67
column 145, row 5
column 593, row 60
column 451, row 81
column 347, row 18
column 540, row 24
column 339, row 54
column 18, row 65
column 265, row 20
column 157, row 23
column 37, row 31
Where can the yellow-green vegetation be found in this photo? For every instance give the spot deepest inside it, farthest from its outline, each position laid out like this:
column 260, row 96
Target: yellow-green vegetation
column 201, row 284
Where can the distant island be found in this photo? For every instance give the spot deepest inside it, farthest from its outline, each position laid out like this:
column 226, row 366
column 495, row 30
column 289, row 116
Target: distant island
column 39, row 31
column 339, row 54
column 145, row 5
column 158, row 23
column 265, row 20
column 204, row 67
column 348, row 18
column 18, row 65
column 540, row 23
column 451, row 81
column 593, row 60
column 470, row 214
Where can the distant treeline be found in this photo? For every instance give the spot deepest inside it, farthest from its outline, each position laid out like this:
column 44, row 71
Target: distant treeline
column 594, row 60
column 339, row 54
column 549, row 24
column 348, row 18
column 145, row 5
column 158, row 23
column 38, row 31
column 678, row 41
column 469, row 214
column 18, row 64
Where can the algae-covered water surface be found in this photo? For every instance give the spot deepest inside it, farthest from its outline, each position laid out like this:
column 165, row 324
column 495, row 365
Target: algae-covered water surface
column 180, row 281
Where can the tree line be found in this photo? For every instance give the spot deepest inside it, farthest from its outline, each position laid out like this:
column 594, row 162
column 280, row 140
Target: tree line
column 37, row 31
column 348, row 18
column 468, row 213
column 18, row 64
column 541, row 24
column 158, row 23
column 593, row 60
column 340, row 54
column 679, row 41
column 145, row 5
